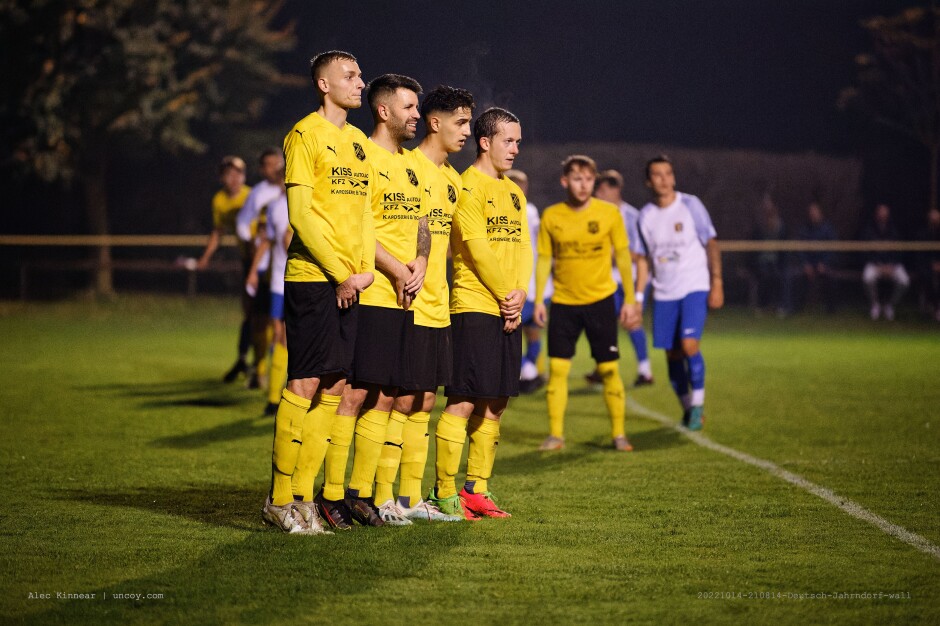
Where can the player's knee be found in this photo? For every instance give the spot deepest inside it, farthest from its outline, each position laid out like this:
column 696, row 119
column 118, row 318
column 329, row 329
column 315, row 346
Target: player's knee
column 689, row 347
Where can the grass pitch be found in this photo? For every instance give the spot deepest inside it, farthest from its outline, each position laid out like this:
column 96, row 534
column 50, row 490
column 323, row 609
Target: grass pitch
column 129, row 469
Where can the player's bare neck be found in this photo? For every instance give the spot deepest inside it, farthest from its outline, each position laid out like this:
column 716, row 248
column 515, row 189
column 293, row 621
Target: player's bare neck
column 435, row 153
column 486, row 166
column 333, row 114
column 381, row 137
column 665, row 200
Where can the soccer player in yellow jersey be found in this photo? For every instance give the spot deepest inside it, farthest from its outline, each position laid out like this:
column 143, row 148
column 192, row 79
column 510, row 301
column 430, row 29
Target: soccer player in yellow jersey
column 330, row 261
column 492, row 265
column 575, row 241
column 384, row 341
column 447, row 112
column 225, row 206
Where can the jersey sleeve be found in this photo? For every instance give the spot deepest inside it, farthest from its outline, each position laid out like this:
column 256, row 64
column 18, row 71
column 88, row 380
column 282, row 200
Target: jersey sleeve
column 640, row 244
column 524, row 251
column 618, row 233
column 300, row 150
column 470, row 215
column 247, row 215
column 703, row 221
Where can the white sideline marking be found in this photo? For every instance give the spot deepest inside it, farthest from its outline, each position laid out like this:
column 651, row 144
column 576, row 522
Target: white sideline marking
column 852, row 508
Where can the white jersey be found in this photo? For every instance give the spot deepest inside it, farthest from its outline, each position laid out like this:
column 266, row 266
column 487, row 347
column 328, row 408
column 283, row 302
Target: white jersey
column 261, row 196
column 674, row 238
column 532, row 214
column 276, row 229
column 630, row 215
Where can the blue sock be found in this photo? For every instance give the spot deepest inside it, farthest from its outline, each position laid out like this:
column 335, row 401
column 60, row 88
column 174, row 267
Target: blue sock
column 638, row 339
column 697, row 371
column 469, row 485
column 532, row 351
column 678, row 377
column 244, row 339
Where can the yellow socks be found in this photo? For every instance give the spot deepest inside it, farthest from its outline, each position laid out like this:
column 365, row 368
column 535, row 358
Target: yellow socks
column 450, row 437
column 316, row 433
column 288, row 430
column 414, row 457
column 337, row 455
column 613, row 395
column 484, row 437
column 556, row 394
column 370, row 439
column 278, row 376
column 389, row 458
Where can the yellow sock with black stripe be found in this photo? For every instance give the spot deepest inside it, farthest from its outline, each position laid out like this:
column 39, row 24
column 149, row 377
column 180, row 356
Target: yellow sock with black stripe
column 614, row 396
column 337, row 457
column 278, row 376
column 414, row 457
column 390, row 458
column 556, row 395
column 316, row 437
column 288, row 431
column 450, row 436
column 484, row 437
column 370, row 439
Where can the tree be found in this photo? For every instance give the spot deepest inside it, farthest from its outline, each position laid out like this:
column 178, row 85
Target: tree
column 898, row 83
column 88, row 76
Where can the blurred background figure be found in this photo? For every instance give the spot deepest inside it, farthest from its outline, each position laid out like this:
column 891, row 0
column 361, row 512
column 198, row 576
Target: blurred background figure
column 226, row 203
column 610, row 188
column 928, row 266
column 531, row 376
column 883, row 265
column 815, row 270
column 766, row 270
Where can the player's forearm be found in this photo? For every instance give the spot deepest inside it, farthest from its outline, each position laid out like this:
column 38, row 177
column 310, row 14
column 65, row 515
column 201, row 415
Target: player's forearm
column 642, row 273
column 302, row 220
column 212, row 245
column 246, row 215
column 625, row 265
column 714, row 261
column 386, row 262
column 424, row 238
column 543, row 268
column 487, row 267
column 260, row 251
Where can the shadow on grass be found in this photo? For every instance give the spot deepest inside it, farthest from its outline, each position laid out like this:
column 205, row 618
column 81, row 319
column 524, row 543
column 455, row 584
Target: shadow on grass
column 231, row 431
column 261, row 576
column 144, row 389
column 228, row 506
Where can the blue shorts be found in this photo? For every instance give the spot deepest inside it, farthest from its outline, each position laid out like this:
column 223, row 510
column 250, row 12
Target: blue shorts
column 277, row 306
column 675, row 320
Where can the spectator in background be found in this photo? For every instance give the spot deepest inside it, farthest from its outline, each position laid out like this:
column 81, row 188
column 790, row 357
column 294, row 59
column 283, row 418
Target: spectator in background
column 883, row 264
column 767, row 268
column 928, row 265
column 816, row 265
column 225, row 206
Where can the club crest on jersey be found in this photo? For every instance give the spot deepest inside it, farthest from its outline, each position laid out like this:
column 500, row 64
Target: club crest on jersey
column 360, row 153
column 515, row 201
column 412, row 177
column 451, row 194
column 594, row 228
column 678, row 227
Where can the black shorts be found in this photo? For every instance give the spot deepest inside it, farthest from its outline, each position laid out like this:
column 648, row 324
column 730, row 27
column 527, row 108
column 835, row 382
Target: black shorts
column 381, row 343
column 430, row 359
column 321, row 337
column 261, row 302
column 486, row 360
column 599, row 320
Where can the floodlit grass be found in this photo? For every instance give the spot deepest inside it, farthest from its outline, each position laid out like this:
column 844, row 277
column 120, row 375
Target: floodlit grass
column 129, row 469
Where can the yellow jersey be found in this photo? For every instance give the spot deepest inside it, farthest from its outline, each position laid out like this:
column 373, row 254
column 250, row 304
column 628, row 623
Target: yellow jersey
column 493, row 209
column 333, row 163
column 399, row 189
column 225, row 208
column 432, row 306
column 581, row 244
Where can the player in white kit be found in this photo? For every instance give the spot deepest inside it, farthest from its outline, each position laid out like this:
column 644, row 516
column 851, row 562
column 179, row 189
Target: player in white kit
column 679, row 241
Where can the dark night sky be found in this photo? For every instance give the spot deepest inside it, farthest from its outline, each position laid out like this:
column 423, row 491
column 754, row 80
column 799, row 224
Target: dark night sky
column 722, row 73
